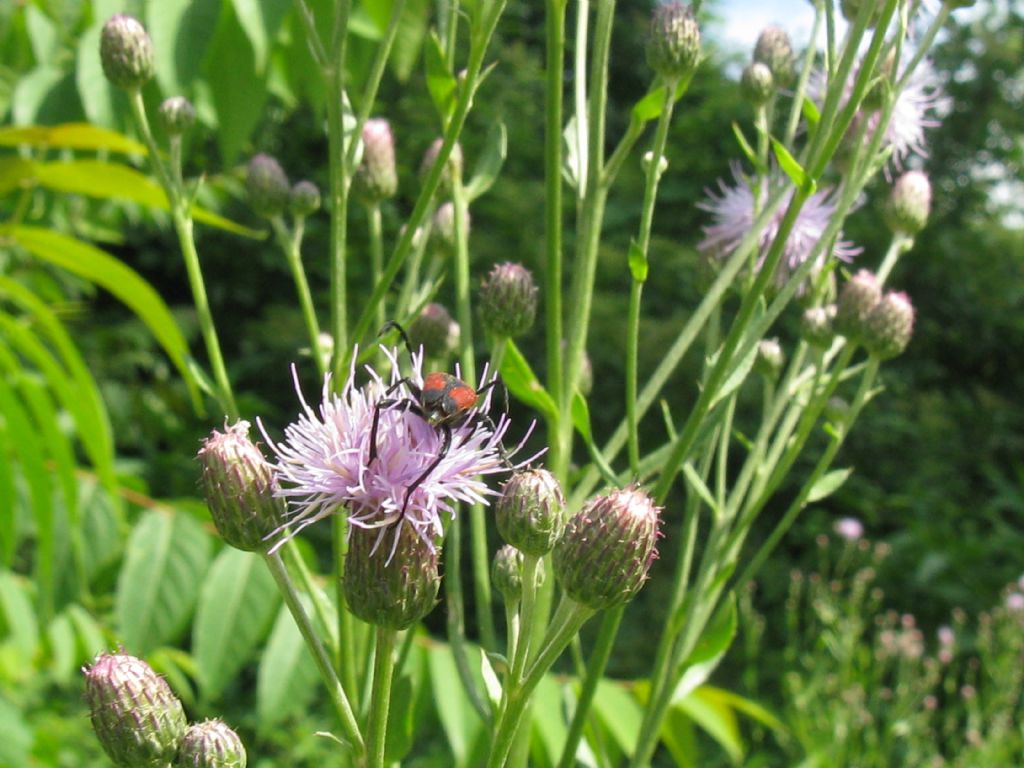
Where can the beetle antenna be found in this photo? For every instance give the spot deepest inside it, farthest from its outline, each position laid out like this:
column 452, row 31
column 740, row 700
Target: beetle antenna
column 401, row 331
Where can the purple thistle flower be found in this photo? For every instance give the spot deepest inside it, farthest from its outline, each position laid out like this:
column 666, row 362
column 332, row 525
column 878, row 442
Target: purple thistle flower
column 324, row 468
column 733, row 210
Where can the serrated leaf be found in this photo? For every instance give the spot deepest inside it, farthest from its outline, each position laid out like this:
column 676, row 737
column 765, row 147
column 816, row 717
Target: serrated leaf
column 441, row 83
column 828, row 484
column 103, row 269
column 287, row 677
column 522, row 382
column 638, row 266
column 237, row 603
column 166, row 557
column 488, row 165
column 792, row 168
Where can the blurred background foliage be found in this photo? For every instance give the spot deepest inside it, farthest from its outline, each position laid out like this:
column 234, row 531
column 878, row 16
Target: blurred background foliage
column 938, row 456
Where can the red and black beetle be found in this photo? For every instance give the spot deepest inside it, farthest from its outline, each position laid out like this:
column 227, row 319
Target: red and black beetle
column 444, row 402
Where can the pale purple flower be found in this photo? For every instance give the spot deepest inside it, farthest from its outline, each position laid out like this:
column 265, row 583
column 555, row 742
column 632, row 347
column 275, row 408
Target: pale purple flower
column 733, row 209
column 324, row 468
column 1015, row 602
column 849, row 528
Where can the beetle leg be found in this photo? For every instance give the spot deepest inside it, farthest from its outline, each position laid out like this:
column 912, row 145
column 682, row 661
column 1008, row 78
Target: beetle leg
column 446, row 443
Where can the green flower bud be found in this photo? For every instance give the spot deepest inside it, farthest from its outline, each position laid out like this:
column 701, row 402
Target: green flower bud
column 435, row 331
column 673, row 46
column 774, row 50
column 531, row 511
column 177, row 115
column 453, row 169
column 508, row 301
column 770, row 358
column 443, row 229
column 851, row 8
column 391, row 589
column 239, row 486
column 507, row 573
column 816, row 326
column 304, row 198
column 211, row 744
column 603, row 558
column 837, row 411
column 126, row 52
column 909, row 203
column 267, row 186
column 376, row 179
column 857, row 298
column 137, row 718
column 757, row 83
column 889, row 326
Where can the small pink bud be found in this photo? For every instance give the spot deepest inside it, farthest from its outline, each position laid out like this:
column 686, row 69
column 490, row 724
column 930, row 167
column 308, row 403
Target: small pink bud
column 889, row 326
column 909, row 203
column 211, row 744
column 435, row 331
column 858, row 297
column 673, row 46
column 304, row 198
column 376, row 179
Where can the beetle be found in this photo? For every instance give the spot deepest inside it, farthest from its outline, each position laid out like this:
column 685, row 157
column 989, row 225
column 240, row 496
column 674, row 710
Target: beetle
column 445, row 402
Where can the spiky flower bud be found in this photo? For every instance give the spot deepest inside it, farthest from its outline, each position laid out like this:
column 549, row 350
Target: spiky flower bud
column 673, row 46
column 376, row 178
column 531, row 511
column 774, row 50
column 857, row 298
column 889, row 326
column 304, row 198
column 757, row 83
column 770, row 358
column 391, row 589
column 136, row 716
column 453, row 168
column 443, row 229
column 435, row 331
column 816, row 325
column 603, row 557
column 267, row 186
column 210, row 744
column 909, row 203
column 507, row 573
column 126, row 52
column 508, row 301
column 177, row 115
column 239, row 486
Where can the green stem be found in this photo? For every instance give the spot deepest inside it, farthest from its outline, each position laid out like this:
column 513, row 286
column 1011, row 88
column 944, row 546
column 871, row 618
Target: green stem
column 899, row 245
column 376, row 233
column 527, row 607
column 339, row 213
column 323, row 661
column 182, row 218
column 291, row 248
column 348, row 655
column 796, row 108
column 380, row 702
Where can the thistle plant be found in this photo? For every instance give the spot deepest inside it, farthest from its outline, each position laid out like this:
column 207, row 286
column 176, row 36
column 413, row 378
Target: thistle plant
column 400, row 461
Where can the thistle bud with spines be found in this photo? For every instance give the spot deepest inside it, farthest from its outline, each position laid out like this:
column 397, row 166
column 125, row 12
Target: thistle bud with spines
column 673, row 45
column 376, row 179
column 508, row 301
column 126, row 52
column 770, row 358
column 435, row 330
column 267, row 186
column 177, row 115
column 889, row 326
column 816, row 325
column 391, row 584
column 507, row 573
column 757, row 83
column 530, row 513
column 603, row 557
column 135, row 714
column 211, row 744
column 857, row 298
column 775, row 51
column 909, row 203
column 304, row 198
column 239, row 485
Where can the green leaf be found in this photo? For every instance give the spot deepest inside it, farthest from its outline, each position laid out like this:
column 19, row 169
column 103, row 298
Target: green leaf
column 738, row 374
column 42, row 34
column 792, row 168
column 748, row 707
column 638, row 266
column 14, row 171
column 10, row 535
column 697, row 484
column 89, row 639
column 101, row 100
column 16, row 737
column 716, row 718
column 810, row 111
column 287, row 677
column 165, row 560
column 236, row 606
column 412, row 30
column 828, row 484
column 650, row 106
column 19, row 626
column 488, row 165
column 581, row 421
column 261, row 20
column 441, row 83
column 711, row 648
column 101, row 268
column 96, row 178
column 745, row 147
column 523, row 384
column 38, row 95
column 549, row 726
column 460, row 722
column 181, row 31
column 60, row 645
column 620, row 713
